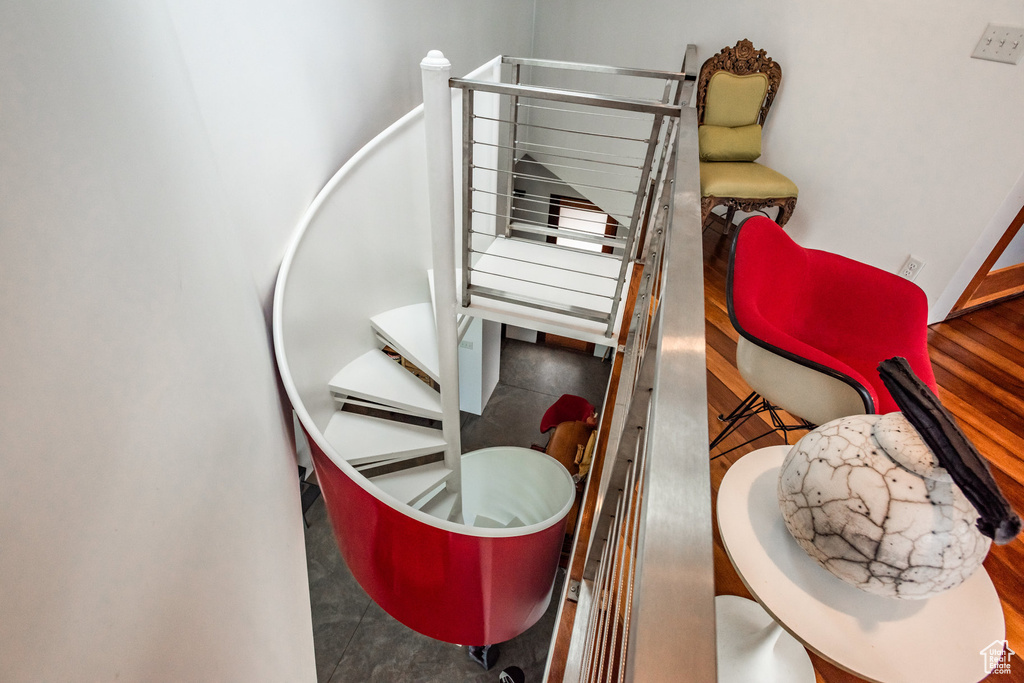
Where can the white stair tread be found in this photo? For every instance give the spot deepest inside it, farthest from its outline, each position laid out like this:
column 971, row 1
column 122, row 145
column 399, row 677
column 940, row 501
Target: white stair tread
column 410, row 329
column 555, row 287
column 566, row 280
column 361, row 439
column 441, row 505
column 412, row 484
column 375, row 377
column 509, row 258
column 491, row 275
column 549, row 255
column 515, row 521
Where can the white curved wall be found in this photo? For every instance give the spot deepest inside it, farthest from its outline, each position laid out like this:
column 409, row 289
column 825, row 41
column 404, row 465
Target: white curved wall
column 506, row 483
column 156, row 158
column 363, row 248
column 899, row 142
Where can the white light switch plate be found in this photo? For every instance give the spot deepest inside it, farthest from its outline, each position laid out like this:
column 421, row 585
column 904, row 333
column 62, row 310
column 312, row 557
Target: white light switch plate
column 1001, row 44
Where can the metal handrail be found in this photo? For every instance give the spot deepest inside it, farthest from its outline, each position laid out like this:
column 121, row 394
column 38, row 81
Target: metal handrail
column 632, row 187
column 598, row 68
column 657, row 434
column 677, row 527
column 672, row 599
column 569, row 96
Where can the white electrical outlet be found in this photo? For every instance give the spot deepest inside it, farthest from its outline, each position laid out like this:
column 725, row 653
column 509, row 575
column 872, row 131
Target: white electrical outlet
column 1001, row 44
column 911, row 267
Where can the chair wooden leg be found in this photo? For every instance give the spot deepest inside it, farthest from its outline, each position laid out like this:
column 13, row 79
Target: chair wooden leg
column 786, row 209
column 706, row 204
column 729, row 214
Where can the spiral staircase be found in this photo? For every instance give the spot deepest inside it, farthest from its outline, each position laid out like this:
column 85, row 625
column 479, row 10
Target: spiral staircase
column 461, row 547
column 392, row 440
column 435, row 562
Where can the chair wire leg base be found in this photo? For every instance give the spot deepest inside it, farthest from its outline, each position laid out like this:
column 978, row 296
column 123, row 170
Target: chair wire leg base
column 754, row 404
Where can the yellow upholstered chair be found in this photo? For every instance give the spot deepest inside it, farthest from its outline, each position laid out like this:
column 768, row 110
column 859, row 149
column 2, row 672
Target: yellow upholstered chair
column 735, row 89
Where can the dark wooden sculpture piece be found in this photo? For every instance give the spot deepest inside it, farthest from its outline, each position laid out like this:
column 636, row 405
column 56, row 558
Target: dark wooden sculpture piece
column 953, row 450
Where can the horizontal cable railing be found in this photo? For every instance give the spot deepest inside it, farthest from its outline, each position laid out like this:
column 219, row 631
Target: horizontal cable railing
column 532, row 227
column 682, row 75
column 529, row 149
column 639, row 602
column 527, row 144
column 528, row 176
column 564, row 268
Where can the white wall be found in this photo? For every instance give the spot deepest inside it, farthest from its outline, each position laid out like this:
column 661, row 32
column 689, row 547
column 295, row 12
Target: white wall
column 365, row 250
column 479, row 364
column 1013, row 255
column 364, row 247
column 899, row 141
column 983, row 247
column 289, row 93
column 154, row 159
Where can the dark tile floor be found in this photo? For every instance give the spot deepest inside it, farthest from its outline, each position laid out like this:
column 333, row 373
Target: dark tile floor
column 354, row 639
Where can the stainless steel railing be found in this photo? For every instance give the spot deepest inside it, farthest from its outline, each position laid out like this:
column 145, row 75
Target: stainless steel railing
column 644, row 586
column 526, row 144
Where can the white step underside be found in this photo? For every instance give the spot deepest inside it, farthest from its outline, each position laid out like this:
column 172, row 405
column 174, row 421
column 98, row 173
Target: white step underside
column 344, row 400
column 361, row 440
column 384, row 461
column 485, row 522
column 410, row 485
column 410, row 330
column 375, row 377
column 502, row 267
column 440, row 504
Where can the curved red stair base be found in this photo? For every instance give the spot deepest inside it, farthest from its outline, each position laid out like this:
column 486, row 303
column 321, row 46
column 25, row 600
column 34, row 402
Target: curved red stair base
column 460, row 588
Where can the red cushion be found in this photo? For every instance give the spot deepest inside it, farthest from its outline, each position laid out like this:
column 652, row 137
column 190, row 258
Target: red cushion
column 567, row 408
column 828, row 309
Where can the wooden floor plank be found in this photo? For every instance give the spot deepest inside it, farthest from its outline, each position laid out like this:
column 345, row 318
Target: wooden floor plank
column 721, row 402
column 1008, row 324
column 1015, row 304
column 1003, row 409
column 720, row 341
column 718, row 319
column 993, row 350
column 714, row 291
column 981, row 373
column 996, row 453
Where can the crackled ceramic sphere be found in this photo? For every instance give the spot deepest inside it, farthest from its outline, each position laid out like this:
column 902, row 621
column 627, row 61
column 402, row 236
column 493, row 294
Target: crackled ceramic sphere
column 865, row 497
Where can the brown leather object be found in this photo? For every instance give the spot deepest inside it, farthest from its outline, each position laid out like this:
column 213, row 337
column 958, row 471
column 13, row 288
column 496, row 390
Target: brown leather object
column 569, row 439
column 565, row 442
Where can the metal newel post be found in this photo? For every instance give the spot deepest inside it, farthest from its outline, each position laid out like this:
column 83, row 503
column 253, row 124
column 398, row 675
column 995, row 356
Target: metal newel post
column 437, row 116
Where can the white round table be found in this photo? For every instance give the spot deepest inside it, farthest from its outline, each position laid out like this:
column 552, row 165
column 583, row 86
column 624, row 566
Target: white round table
column 939, row 639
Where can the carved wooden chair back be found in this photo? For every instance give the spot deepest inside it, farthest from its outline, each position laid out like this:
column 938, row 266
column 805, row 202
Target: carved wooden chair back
column 742, row 60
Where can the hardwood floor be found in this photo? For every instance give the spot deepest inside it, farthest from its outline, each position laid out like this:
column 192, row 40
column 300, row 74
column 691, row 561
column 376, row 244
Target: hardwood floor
column 979, row 364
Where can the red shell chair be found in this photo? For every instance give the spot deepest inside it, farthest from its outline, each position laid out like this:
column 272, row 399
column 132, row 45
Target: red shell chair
column 567, row 408
column 813, row 328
